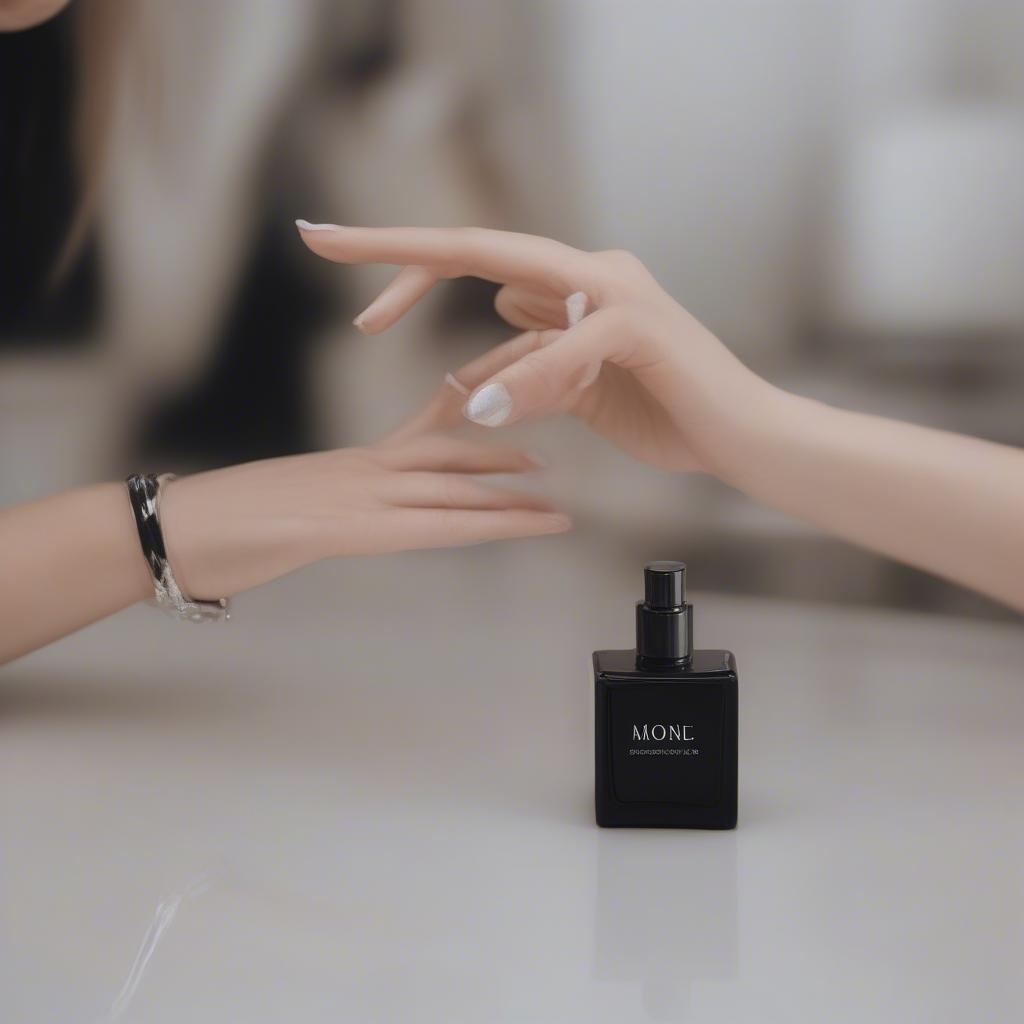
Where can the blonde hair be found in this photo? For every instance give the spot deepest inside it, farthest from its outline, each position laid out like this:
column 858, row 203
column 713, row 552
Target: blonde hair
column 100, row 28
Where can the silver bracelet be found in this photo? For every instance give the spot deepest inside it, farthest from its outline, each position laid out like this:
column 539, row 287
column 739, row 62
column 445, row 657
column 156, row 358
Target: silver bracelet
column 144, row 494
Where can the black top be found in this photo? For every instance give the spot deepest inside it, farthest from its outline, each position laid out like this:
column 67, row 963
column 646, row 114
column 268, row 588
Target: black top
column 39, row 192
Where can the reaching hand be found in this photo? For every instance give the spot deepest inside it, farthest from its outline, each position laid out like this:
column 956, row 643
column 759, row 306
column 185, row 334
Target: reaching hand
column 231, row 529
column 602, row 340
column 636, row 366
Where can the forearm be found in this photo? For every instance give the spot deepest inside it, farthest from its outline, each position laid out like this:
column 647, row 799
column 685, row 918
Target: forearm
column 66, row 561
column 69, row 560
column 946, row 503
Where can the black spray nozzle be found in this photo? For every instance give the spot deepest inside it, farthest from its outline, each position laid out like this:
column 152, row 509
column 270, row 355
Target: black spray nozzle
column 665, row 585
column 664, row 621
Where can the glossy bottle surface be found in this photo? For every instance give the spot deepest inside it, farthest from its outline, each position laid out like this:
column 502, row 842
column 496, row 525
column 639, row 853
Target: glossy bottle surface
column 665, row 741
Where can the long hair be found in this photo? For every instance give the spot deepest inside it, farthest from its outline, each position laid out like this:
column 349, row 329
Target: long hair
column 101, row 27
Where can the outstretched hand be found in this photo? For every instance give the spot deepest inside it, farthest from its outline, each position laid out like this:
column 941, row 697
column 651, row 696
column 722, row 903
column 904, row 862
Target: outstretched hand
column 235, row 528
column 642, row 372
column 601, row 339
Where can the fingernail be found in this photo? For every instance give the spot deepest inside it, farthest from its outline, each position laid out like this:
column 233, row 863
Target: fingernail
column 453, row 382
column 575, row 308
column 304, row 225
column 538, row 460
column 490, row 406
column 359, row 324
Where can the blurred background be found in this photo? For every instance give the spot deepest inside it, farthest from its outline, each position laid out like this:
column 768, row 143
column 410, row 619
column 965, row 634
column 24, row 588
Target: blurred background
column 837, row 190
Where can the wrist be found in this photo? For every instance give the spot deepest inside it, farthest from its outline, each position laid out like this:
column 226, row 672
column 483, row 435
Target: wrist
column 219, row 543
column 746, row 443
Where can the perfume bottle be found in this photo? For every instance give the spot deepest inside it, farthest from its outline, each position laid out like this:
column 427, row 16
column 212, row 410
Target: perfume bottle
column 665, row 719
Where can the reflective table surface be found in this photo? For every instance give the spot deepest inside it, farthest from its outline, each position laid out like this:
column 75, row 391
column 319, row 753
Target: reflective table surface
column 369, row 798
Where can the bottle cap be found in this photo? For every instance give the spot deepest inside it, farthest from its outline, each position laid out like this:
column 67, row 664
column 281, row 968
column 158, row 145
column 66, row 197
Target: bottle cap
column 665, row 584
column 664, row 621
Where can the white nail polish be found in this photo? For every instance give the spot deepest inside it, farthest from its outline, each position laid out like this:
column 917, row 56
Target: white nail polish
column 453, row 382
column 304, row 225
column 490, row 406
column 575, row 308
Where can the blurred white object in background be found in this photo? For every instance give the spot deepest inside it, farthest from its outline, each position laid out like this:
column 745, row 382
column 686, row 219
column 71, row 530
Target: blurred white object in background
column 930, row 224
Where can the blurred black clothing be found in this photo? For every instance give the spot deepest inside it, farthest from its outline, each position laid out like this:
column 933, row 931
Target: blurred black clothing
column 38, row 193
column 252, row 400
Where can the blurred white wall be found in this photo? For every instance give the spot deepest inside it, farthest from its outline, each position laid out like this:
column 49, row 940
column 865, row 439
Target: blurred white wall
column 695, row 131
column 928, row 219
column 718, row 139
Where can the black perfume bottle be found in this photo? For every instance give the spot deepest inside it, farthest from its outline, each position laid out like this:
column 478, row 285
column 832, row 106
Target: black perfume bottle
column 665, row 719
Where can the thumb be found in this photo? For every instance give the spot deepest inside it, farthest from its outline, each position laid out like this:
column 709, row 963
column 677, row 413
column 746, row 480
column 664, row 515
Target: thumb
column 548, row 379
column 445, row 409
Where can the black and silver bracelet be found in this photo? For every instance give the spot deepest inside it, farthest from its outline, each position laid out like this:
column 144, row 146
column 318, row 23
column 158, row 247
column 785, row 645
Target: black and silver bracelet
column 144, row 495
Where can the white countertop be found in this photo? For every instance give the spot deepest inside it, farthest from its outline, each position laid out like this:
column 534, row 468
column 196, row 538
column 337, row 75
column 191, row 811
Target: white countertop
column 353, row 816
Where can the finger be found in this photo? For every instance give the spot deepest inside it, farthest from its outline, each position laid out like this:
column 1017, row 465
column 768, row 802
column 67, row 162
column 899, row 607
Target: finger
column 576, row 308
column 441, row 527
column 550, row 377
column 530, row 309
column 452, row 455
column 444, row 410
column 476, row 371
column 503, row 256
column 404, row 291
column 447, row 490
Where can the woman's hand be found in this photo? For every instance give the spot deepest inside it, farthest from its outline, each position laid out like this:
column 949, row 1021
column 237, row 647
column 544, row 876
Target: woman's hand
column 633, row 364
column 73, row 558
column 231, row 529
column 640, row 370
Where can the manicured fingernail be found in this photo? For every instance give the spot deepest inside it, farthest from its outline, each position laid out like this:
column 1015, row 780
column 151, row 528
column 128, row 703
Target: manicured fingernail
column 490, row 406
column 304, row 225
column 359, row 323
column 575, row 308
column 453, row 382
